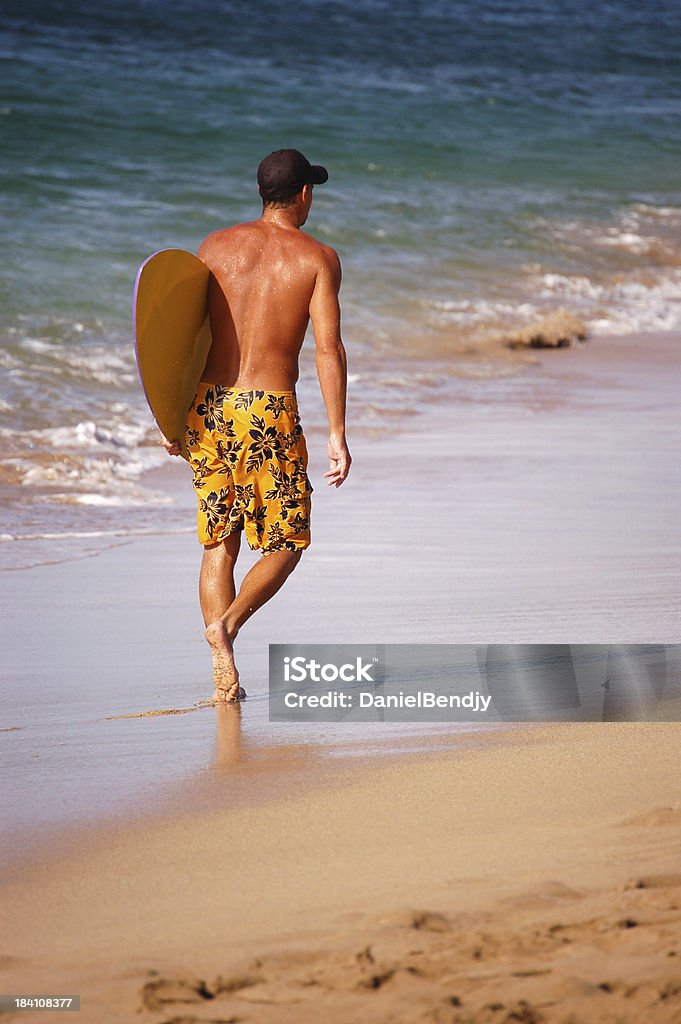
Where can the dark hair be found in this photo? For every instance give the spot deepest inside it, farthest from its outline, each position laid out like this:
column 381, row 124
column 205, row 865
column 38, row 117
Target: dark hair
column 279, row 204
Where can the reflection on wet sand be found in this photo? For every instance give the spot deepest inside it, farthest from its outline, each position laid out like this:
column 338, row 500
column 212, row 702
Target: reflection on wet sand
column 229, row 749
column 244, row 769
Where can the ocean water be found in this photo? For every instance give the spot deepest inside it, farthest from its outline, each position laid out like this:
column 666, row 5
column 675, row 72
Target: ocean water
column 489, row 161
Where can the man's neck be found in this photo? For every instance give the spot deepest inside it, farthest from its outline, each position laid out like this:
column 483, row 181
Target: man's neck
column 283, row 217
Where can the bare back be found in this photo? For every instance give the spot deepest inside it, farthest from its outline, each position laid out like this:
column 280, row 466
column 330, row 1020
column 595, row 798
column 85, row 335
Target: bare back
column 263, row 280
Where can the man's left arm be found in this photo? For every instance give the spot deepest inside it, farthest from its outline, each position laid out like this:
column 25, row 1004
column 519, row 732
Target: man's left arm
column 331, row 362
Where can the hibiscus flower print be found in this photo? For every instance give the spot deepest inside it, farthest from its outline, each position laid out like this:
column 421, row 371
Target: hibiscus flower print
column 263, row 445
column 285, row 441
column 211, row 411
column 299, row 522
column 192, row 438
column 299, row 475
column 201, row 471
column 244, row 400
column 276, row 404
column 215, row 508
column 244, row 494
column 288, row 506
column 284, row 485
column 258, row 517
column 228, row 452
column 276, row 536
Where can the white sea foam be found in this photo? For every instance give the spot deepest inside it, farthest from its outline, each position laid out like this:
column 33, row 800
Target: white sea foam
column 657, row 211
column 88, row 434
column 54, row 369
column 136, row 499
column 87, row 470
column 620, row 306
column 626, row 240
column 475, row 311
column 90, row 534
column 632, row 302
column 569, row 285
column 39, row 345
column 106, row 364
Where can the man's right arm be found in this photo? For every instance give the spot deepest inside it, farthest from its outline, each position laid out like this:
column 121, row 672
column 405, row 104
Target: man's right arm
column 331, row 361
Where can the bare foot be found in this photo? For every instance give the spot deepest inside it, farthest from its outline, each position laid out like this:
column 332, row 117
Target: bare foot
column 225, row 674
column 220, row 697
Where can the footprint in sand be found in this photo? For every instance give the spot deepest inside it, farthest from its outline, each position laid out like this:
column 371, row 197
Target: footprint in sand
column 152, row 714
column 663, row 881
column 657, row 816
column 544, row 894
column 202, row 1020
column 162, row 993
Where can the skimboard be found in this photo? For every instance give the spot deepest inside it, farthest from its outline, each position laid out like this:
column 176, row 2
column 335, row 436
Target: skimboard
column 172, row 334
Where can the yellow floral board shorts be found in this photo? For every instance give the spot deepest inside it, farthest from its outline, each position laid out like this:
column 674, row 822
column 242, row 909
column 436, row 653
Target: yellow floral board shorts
column 249, row 458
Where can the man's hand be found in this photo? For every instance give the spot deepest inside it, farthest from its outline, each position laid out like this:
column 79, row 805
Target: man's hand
column 339, row 460
column 172, row 447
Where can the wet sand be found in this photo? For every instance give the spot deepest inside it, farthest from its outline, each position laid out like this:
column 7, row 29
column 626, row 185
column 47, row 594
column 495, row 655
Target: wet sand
column 491, row 882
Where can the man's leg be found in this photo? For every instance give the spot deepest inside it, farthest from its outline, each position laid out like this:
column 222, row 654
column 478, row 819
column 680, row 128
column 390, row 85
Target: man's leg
column 216, row 594
column 261, row 583
column 216, row 582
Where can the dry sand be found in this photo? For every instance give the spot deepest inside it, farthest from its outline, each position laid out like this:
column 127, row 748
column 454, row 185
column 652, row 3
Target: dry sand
column 534, row 880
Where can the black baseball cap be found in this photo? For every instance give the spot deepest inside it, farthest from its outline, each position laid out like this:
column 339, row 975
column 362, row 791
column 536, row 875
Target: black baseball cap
column 282, row 174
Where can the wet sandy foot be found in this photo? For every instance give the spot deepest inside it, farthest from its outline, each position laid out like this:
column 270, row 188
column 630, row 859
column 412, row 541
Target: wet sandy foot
column 223, row 697
column 225, row 674
column 219, row 698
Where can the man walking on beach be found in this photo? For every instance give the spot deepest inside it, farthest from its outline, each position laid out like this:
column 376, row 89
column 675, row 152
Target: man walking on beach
column 243, row 434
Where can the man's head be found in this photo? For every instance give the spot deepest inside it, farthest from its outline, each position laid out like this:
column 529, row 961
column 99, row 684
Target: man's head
column 283, row 175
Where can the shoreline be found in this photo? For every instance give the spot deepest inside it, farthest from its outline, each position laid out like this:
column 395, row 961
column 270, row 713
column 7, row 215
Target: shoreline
column 539, row 379
column 245, row 771
column 543, row 514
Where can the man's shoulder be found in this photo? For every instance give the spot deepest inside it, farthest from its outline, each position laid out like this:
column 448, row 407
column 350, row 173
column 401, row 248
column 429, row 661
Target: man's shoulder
column 231, row 239
column 325, row 255
column 218, row 240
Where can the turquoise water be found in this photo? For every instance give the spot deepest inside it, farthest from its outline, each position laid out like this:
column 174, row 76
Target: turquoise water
column 489, row 162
